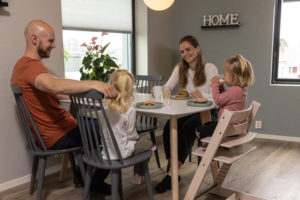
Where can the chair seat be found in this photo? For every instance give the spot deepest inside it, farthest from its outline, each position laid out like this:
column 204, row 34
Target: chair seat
column 145, row 127
column 40, row 152
column 115, row 164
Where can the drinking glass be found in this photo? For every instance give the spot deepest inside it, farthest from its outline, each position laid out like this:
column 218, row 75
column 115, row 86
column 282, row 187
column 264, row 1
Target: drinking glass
column 222, row 80
column 157, row 93
column 166, row 95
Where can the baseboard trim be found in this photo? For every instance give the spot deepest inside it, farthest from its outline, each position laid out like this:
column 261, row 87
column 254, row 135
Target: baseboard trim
column 278, row 137
column 25, row 179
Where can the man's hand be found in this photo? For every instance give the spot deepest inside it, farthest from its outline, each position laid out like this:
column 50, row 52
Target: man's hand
column 108, row 90
column 196, row 94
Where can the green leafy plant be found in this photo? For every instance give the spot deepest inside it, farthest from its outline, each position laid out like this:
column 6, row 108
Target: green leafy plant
column 96, row 64
column 67, row 55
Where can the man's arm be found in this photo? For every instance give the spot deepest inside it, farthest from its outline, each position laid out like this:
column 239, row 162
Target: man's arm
column 48, row 83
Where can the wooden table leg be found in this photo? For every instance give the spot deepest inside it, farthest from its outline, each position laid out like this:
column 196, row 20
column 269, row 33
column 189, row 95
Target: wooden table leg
column 64, row 166
column 174, row 157
column 205, row 116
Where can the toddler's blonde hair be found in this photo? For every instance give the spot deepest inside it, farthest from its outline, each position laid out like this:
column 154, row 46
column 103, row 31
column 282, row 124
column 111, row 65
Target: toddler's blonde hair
column 123, row 81
column 240, row 70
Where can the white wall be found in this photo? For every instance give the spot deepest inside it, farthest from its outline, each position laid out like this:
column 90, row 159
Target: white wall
column 141, row 38
column 15, row 161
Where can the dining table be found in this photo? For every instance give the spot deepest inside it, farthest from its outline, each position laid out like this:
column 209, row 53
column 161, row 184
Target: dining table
column 175, row 109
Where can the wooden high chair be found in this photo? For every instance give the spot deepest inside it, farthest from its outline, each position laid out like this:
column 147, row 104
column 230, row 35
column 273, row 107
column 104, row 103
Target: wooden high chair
column 227, row 145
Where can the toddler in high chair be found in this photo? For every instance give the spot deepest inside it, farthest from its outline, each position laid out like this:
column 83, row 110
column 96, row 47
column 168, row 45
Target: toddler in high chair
column 122, row 116
column 238, row 74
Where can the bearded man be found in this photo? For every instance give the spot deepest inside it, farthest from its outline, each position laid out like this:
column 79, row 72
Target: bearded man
column 41, row 92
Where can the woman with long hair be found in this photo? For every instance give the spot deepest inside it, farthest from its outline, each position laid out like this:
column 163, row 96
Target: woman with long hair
column 193, row 75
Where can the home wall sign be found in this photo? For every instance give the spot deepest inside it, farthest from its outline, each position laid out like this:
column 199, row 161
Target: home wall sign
column 220, row 21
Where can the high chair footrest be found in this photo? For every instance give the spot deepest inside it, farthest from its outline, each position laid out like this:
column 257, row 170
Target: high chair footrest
column 233, row 141
column 227, row 156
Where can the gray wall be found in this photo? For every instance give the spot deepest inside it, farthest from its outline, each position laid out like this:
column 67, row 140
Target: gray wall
column 159, row 42
column 253, row 39
column 15, row 161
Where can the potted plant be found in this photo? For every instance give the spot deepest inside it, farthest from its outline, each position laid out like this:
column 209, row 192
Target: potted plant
column 96, row 64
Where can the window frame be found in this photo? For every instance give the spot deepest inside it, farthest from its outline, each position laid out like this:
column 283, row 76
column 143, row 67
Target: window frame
column 276, row 48
column 132, row 36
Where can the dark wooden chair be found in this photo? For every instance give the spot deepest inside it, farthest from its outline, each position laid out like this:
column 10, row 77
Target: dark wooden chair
column 36, row 147
column 89, row 105
column 144, row 124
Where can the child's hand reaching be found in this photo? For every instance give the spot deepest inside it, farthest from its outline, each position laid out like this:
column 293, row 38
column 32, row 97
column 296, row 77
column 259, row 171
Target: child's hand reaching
column 216, row 80
column 196, row 94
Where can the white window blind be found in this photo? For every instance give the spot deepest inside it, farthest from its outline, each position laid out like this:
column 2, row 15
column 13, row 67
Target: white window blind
column 106, row 15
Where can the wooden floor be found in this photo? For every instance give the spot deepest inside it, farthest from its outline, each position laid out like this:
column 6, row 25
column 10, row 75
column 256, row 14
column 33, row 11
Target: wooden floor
column 272, row 171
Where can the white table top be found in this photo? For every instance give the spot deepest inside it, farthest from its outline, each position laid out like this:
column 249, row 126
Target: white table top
column 175, row 108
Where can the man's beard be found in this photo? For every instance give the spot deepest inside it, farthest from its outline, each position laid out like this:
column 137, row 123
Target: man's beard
column 42, row 53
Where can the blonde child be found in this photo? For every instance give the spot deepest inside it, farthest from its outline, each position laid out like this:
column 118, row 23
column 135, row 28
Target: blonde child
column 122, row 116
column 238, row 75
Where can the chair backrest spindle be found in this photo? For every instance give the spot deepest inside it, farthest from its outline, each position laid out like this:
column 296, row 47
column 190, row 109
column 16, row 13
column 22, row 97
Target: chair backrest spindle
column 28, row 122
column 92, row 120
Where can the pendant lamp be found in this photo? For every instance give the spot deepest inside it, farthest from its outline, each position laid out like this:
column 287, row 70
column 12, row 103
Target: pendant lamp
column 158, row 5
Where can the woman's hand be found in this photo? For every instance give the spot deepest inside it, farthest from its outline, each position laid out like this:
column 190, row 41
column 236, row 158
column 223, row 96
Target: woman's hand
column 196, row 94
column 216, row 80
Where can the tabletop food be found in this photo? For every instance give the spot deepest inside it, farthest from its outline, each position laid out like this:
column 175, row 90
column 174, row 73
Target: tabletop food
column 200, row 100
column 147, row 103
column 182, row 94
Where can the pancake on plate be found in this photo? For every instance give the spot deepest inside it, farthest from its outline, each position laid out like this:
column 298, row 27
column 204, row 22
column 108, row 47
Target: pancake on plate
column 147, row 103
column 200, row 100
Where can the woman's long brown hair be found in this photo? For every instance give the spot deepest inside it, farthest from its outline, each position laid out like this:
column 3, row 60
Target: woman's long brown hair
column 199, row 77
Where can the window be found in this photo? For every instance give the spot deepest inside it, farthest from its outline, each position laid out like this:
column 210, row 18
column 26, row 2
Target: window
column 83, row 20
column 120, row 48
column 286, row 53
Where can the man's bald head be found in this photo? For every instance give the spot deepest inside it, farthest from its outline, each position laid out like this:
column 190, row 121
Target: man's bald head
column 40, row 39
column 36, row 27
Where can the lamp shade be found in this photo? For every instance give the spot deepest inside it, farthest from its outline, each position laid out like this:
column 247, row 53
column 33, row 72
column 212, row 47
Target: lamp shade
column 158, row 4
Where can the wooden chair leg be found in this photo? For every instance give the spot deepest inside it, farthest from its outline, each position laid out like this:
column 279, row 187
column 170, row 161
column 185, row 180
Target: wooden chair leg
column 35, row 163
column 72, row 162
column 87, row 182
column 148, row 181
column 152, row 135
column 64, row 167
column 199, row 144
column 120, row 188
column 81, row 166
column 114, row 184
column 42, row 165
column 214, row 170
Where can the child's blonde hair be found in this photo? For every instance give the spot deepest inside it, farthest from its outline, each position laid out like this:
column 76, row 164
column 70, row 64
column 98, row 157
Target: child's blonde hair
column 240, row 70
column 123, row 81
